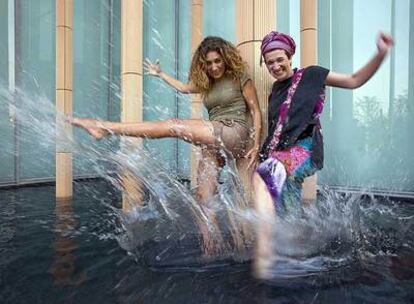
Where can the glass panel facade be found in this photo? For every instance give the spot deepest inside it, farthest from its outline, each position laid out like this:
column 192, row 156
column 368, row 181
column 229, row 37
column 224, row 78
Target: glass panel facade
column 219, row 19
column 160, row 101
column 28, row 59
column 183, row 67
column 367, row 131
column 35, row 76
column 93, row 62
column 288, row 21
column 6, row 126
column 114, row 98
column 167, row 37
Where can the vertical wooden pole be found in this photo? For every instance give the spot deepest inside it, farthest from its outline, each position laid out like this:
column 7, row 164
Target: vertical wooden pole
column 196, row 101
column 254, row 19
column 64, row 78
column 309, row 56
column 131, row 87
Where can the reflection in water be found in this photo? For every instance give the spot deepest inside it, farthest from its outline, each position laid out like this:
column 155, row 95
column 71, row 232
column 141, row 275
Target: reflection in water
column 376, row 270
column 402, row 266
column 63, row 265
column 8, row 231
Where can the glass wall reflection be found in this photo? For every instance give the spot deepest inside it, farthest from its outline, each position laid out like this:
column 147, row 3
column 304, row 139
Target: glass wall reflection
column 6, row 125
column 95, row 68
column 367, row 131
column 167, row 37
column 35, row 77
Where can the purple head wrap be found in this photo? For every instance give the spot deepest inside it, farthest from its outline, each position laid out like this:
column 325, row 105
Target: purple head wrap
column 275, row 40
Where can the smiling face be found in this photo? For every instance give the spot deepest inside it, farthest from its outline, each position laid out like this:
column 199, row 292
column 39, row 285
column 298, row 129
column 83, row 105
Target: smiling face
column 215, row 65
column 278, row 64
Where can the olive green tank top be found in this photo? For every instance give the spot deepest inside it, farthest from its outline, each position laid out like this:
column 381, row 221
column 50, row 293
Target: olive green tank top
column 225, row 101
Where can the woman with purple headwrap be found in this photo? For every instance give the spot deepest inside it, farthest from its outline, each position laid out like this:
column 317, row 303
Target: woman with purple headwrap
column 293, row 149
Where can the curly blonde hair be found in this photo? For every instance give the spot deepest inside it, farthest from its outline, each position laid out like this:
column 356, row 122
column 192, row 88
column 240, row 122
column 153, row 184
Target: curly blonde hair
column 235, row 66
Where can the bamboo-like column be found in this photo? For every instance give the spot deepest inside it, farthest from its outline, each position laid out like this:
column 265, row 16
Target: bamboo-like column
column 309, row 56
column 196, row 101
column 64, row 85
column 254, row 19
column 131, row 87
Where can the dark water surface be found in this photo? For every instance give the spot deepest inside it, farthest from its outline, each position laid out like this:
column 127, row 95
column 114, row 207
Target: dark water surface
column 70, row 253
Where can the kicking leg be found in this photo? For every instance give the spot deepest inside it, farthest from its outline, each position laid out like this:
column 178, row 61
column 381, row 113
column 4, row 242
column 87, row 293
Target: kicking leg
column 194, row 131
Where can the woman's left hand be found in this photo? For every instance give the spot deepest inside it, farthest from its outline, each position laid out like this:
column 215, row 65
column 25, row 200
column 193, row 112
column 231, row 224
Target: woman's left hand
column 384, row 42
column 253, row 156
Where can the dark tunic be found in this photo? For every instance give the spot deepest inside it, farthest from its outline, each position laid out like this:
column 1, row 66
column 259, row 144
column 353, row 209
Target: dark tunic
column 301, row 122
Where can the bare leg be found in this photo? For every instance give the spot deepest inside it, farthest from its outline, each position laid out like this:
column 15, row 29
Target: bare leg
column 208, row 172
column 263, row 257
column 194, row 131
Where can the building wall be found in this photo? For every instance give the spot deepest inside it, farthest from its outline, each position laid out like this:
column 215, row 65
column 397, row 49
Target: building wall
column 34, row 72
column 6, row 126
column 367, row 131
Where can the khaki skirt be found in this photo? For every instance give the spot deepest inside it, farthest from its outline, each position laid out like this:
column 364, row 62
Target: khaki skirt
column 231, row 135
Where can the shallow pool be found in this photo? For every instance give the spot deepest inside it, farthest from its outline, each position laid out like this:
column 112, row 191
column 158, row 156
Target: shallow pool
column 69, row 253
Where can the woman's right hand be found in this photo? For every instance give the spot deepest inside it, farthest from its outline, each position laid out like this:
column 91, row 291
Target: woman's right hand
column 153, row 69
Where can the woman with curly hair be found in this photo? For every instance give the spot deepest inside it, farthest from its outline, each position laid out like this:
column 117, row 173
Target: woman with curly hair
column 219, row 73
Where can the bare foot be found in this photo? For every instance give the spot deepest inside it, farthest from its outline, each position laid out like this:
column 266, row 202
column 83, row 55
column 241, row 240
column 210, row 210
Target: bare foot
column 92, row 126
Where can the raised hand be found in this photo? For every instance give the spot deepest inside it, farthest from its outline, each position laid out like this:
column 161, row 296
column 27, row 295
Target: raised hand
column 384, row 42
column 153, row 69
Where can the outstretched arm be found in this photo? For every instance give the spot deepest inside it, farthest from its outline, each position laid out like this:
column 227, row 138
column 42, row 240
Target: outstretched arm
column 384, row 43
column 154, row 69
column 249, row 93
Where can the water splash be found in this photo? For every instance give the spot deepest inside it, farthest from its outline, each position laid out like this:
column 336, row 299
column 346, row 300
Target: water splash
column 338, row 239
column 169, row 211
